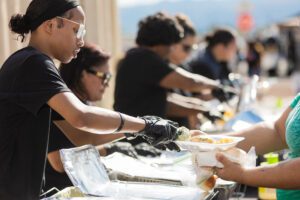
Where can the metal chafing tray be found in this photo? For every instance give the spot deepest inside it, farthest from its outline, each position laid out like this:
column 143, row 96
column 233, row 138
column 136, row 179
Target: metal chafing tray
column 87, row 172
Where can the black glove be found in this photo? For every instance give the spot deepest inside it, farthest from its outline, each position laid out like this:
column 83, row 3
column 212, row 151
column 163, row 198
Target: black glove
column 145, row 149
column 222, row 94
column 121, row 147
column 212, row 116
column 160, row 132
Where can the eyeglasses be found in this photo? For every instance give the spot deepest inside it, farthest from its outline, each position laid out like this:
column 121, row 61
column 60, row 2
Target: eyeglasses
column 80, row 33
column 188, row 48
column 104, row 76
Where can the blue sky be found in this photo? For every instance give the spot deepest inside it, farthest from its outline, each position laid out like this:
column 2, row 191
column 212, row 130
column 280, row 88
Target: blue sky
column 207, row 14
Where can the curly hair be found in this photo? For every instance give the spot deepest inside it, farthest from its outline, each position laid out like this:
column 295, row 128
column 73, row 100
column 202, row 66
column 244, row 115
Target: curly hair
column 187, row 25
column 158, row 29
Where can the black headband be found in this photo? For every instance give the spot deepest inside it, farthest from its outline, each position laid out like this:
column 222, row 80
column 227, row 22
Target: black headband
column 52, row 11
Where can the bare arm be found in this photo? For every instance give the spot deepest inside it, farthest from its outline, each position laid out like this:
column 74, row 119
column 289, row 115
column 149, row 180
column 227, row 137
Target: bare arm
column 92, row 119
column 266, row 137
column 180, row 107
column 79, row 137
column 285, row 175
column 185, row 80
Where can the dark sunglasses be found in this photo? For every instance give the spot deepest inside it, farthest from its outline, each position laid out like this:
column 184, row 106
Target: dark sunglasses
column 104, row 76
column 188, row 48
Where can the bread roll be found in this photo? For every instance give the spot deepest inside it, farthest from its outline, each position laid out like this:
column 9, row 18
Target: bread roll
column 209, row 183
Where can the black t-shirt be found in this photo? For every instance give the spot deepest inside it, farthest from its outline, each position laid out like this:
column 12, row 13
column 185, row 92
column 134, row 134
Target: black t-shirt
column 182, row 121
column 137, row 91
column 57, row 141
column 206, row 65
column 28, row 79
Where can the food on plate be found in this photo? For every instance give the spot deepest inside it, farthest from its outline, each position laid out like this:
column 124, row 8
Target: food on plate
column 224, row 141
column 211, row 140
column 202, row 139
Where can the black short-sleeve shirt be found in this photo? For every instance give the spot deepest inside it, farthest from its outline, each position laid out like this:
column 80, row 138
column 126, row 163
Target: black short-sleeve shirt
column 28, row 79
column 137, row 89
column 57, row 141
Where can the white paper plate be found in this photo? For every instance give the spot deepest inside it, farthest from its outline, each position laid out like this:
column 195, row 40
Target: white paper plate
column 201, row 146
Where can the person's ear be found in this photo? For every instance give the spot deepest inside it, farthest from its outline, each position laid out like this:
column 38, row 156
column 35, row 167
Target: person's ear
column 48, row 26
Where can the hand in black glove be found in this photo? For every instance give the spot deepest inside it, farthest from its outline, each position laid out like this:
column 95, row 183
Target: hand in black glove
column 212, row 116
column 121, row 147
column 160, row 132
column 219, row 94
column 223, row 94
column 145, row 149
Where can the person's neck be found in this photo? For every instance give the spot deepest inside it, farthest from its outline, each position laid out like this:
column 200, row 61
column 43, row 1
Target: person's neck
column 39, row 44
column 154, row 49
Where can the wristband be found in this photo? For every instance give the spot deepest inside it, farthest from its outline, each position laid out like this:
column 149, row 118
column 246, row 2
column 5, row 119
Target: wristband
column 121, row 123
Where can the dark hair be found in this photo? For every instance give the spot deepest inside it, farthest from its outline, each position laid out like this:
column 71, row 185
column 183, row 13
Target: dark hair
column 158, row 29
column 186, row 24
column 88, row 57
column 220, row 36
column 37, row 12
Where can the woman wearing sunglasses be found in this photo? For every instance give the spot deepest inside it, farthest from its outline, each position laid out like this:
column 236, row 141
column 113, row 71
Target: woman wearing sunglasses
column 31, row 87
column 177, row 58
column 88, row 77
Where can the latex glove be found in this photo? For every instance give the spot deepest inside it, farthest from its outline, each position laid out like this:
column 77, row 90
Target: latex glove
column 121, row 147
column 223, row 94
column 145, row 149
column 160, row 132
column 212, row 116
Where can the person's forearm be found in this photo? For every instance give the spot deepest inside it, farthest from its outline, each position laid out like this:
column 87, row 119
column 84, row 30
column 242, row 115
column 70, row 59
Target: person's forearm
column 79, row 137
column 106, row 121
column 263, row 136
column 285, row 175
column 178, row 108
column 185, row 80
column 197, row 83
column 90, row 118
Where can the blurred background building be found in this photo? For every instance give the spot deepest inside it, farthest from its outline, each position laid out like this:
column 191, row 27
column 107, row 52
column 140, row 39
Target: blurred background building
column 112, row 24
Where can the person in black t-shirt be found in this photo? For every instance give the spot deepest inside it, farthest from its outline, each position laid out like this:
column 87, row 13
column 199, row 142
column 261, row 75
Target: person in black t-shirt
column 87, row 76
column 30, row 87
column 144, row 75
column 213, row 62
column 186, row 107
column 188, row 111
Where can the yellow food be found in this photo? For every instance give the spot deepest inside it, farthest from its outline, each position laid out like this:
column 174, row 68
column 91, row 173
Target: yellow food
column 211, row 141
column 224, row 141
column 202, row 139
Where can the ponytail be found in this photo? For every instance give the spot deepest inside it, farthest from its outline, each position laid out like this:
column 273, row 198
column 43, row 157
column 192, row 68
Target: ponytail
column 19, row 24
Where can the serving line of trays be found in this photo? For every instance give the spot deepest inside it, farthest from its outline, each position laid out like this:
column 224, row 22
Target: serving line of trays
column 88, row 173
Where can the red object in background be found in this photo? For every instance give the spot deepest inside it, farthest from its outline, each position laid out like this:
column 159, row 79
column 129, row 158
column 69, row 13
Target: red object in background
column 245, row 22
